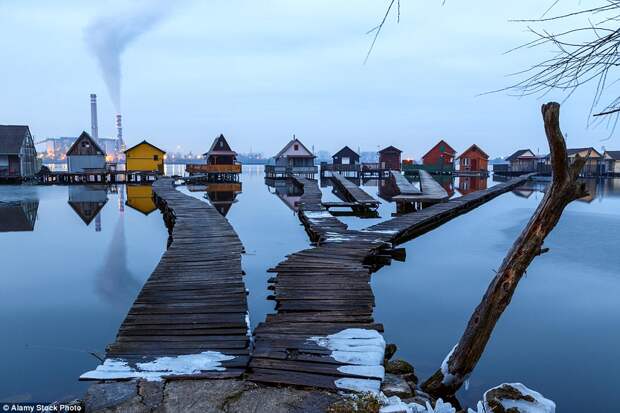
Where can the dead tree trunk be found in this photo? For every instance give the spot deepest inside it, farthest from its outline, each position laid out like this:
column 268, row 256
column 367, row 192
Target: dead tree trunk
column 563, row 189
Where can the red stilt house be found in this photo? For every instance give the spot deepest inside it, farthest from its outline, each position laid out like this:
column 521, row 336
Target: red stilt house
column 474, row 159
column 440, row 158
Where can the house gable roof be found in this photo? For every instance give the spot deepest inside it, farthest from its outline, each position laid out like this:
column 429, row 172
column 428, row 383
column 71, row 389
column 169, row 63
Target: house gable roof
column 448, row 149
column 520, row 153
column 291, row 143
column 346, row 151
column 615, row 155
column 593, row 152
column 84, row 136
column 144, row 142
column 390, row 149
column 220, row 147
column 474, row 148
column 12, row 138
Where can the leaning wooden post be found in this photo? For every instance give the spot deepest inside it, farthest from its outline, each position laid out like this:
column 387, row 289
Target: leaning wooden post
column 564, row 188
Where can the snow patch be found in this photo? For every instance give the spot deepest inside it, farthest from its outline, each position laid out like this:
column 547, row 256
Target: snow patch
column 163, row 366
column 368, row 371
column 317, row 214
column 362, row 351
column 539, row 405
column 394, row 404
column 448, row 378
column 380, row 231
column 359, row 385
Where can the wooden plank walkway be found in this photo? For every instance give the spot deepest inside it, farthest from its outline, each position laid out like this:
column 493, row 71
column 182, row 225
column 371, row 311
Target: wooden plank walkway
column 431, row 191
column 323, row 334
column 408, row 226
column 194, row 303
column 353, row 193
column 403, row 185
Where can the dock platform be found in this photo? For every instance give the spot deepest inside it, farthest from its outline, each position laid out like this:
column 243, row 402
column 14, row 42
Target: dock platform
column 352, row 193
column 324, row 334
column 192, row 311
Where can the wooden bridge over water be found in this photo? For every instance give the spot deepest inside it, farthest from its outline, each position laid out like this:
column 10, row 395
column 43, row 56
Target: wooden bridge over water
column 193, row 302
column 323, row 333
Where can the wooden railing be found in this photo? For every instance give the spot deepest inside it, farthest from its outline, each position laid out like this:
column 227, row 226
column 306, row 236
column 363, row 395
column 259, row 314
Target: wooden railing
column 213, row 169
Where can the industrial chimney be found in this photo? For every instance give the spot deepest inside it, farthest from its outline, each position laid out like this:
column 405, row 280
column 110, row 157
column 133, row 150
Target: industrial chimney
column 119, row 131
column 94, row 129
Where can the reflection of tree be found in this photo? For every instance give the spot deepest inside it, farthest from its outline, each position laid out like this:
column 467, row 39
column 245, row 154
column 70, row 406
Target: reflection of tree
column 114, row 282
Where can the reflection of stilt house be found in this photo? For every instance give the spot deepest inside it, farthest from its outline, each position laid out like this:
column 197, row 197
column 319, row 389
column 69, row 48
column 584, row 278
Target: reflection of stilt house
column 221, row 163
column 140, row 198
column 286, row 190
column 223, row 195
column 469, row 184
column 18, row 216
column 87, row 201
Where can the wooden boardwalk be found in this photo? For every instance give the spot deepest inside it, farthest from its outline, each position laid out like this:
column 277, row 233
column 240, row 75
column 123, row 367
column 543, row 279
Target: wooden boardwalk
column 353, row 193
column 194, row 301
column 403, row 185
column 431, row 191
column 323, row 334
column 408, row 226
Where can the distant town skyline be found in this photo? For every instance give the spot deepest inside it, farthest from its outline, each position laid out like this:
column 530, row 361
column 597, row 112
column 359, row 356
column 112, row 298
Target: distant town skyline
column 259, row 72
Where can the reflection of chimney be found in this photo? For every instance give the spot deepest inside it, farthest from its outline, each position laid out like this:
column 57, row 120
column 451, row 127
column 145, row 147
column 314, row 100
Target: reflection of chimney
column 98, row 222
column 119, row 131
column 94, row 130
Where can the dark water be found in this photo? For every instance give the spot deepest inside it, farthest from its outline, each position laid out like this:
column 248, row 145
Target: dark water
column 67, row 286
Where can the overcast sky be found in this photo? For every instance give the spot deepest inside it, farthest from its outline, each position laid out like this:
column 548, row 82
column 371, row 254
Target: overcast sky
column 259, row 71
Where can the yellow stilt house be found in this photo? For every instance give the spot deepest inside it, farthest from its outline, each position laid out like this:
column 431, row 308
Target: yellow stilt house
column 144, row 157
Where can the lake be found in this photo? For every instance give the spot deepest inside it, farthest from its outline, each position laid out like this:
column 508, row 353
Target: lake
column 74, row 259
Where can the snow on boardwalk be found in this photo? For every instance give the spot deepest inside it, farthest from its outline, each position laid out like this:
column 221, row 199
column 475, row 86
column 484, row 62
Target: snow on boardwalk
column 190, row 317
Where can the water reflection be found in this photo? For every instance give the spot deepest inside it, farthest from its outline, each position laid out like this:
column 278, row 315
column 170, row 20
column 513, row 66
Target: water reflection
column 140, row 198
column 286, row 190
column 87, row 201
column 469, row 184
column 220, row 194
column 18, row 215
column 114, row 282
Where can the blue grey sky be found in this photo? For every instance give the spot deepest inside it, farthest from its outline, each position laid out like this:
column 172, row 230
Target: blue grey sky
column 259, row 71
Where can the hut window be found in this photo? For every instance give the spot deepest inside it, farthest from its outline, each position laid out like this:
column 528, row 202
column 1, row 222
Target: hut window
column 221, row 144
column 296, row 147
column 155, row 157
column 85, row 144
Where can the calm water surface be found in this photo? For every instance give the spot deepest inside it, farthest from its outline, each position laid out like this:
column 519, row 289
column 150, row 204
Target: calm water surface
column 70, row 278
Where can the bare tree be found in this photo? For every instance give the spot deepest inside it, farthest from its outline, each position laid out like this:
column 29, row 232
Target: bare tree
column 585, row 53
column 564, row 189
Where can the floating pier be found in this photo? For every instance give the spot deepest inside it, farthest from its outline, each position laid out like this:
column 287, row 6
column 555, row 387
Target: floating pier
column 97, row 177
column 354, row 196
column 191, row 317
column 324, row 334
column 408, row 226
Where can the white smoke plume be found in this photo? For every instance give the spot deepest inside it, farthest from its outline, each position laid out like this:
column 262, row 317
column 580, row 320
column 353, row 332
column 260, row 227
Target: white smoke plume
column 108, row 36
